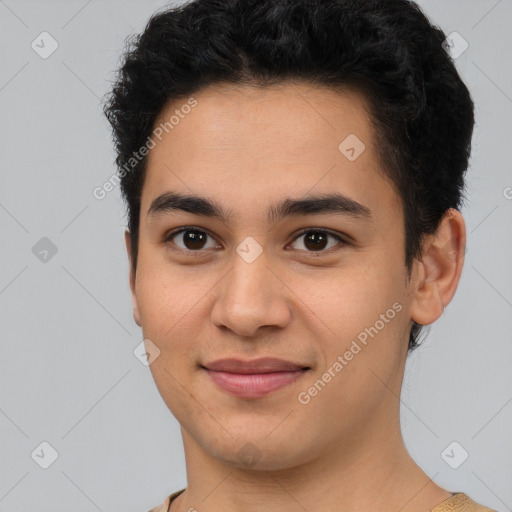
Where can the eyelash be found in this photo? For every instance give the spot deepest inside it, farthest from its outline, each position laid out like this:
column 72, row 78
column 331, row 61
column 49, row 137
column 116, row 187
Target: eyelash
column 168, row 238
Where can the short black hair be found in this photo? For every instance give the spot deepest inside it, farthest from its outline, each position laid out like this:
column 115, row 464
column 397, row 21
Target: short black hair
column 388, row 50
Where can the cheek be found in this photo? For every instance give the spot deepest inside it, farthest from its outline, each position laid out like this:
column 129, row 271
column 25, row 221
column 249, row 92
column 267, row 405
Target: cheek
column 362, row 316
column 168, row 316
column 164, row 322
column 360, row 367
column 347, row 299
column 164, row 298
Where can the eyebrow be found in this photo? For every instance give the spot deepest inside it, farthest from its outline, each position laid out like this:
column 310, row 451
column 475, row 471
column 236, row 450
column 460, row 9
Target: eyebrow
column 310, row 205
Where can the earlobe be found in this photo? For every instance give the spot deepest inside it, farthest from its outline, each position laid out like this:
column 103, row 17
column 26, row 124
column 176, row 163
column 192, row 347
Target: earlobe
column 439, row 270
column 136, row 312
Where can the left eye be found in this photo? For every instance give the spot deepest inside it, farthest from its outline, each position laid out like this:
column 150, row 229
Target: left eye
column 316, row 240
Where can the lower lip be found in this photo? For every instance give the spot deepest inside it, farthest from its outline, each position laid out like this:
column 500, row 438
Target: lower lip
column 253, row 385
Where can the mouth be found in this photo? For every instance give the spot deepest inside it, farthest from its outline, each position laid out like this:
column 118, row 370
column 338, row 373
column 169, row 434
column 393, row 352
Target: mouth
column 256, row 378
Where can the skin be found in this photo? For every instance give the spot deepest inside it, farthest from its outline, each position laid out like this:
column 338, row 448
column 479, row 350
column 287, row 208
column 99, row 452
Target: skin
column 247, row 148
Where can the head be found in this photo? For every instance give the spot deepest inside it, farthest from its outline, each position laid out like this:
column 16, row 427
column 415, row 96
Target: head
column 259, row 119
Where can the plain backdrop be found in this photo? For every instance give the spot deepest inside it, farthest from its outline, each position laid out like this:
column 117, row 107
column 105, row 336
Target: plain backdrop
column 68, row 374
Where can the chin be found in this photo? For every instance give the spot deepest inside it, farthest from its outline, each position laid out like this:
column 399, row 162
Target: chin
column 259, row 455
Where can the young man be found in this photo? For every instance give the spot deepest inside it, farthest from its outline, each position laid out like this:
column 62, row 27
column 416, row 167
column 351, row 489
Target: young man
column 293, row 171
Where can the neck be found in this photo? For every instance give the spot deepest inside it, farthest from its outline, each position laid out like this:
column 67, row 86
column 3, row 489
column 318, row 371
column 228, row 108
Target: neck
column 372, row 472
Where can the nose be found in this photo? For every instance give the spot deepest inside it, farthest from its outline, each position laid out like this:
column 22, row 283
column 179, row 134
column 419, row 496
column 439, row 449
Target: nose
column 251, row 297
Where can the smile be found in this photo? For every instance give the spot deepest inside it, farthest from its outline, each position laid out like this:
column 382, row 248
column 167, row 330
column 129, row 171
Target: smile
column 254, row 385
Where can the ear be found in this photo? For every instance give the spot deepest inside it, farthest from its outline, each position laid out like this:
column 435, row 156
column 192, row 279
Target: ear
column 438, row 272
column 136, row 312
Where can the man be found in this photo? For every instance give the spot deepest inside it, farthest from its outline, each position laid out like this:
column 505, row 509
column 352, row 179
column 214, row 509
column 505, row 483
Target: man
column 293, row 171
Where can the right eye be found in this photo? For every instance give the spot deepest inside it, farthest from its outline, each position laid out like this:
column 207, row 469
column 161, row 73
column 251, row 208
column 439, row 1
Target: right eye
column 193, row 240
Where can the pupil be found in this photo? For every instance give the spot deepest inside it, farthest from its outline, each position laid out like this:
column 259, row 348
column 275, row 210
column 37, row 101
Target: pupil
column 315, row 238
column 194, row 239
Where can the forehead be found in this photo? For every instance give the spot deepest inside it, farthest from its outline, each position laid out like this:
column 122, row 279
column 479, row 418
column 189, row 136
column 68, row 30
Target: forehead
column 293, row 116
column 250, row 146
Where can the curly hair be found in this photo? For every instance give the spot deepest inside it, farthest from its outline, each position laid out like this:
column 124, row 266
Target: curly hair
column 422, row 114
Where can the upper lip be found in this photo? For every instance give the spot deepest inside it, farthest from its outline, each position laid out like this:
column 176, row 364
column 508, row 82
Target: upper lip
column 262, row 365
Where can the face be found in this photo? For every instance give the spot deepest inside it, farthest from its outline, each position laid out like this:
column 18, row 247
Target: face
column 319, row 284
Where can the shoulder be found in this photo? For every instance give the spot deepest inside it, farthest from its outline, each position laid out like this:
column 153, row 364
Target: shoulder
column 460, row 502
column 164, row 507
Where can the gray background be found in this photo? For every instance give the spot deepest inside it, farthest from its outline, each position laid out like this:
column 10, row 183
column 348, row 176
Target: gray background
column 68, row 375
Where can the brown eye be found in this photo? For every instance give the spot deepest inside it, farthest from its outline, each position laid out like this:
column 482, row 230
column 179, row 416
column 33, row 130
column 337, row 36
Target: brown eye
column 194, row 239
column 316, row 240
column 191, row 239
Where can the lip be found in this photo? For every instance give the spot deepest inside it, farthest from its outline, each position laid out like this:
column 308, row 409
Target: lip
column 256, row 378
column 261, row 365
